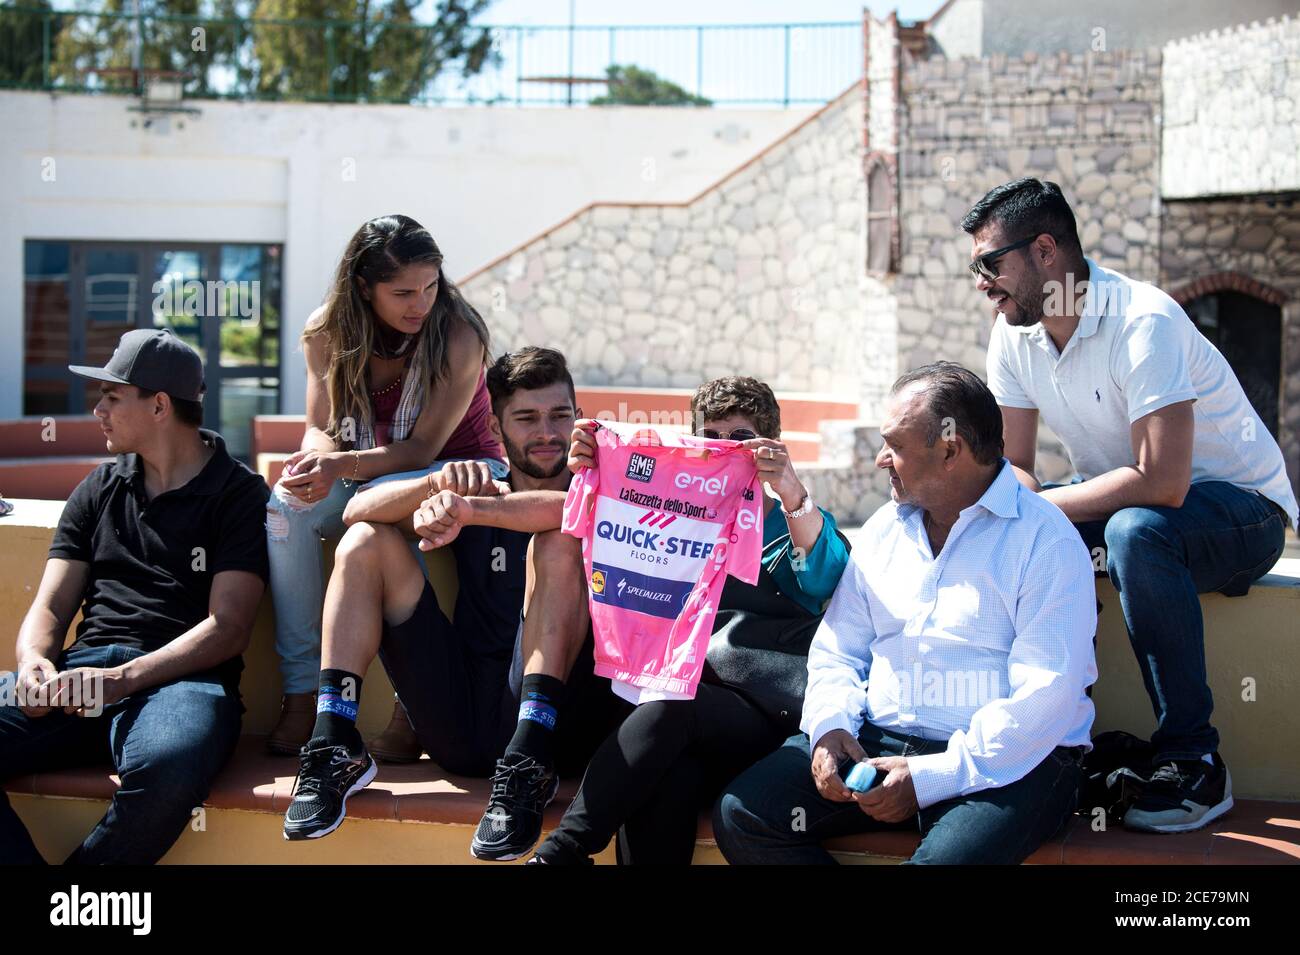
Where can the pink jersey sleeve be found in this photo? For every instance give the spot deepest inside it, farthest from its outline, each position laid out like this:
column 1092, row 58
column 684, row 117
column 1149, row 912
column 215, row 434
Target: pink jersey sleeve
column 579, row 503
column 745, row 556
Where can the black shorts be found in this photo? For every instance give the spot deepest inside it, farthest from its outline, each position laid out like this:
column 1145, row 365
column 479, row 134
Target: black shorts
column 460, row 702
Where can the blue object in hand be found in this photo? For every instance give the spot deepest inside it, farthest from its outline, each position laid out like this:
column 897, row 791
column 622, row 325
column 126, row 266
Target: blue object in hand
column 860, row 777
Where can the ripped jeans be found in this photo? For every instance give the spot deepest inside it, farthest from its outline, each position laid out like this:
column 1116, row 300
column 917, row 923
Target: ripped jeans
column 294, row 531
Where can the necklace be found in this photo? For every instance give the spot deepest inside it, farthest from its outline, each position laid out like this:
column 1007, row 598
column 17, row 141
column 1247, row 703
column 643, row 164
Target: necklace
column 383, row 391
column 386, row 347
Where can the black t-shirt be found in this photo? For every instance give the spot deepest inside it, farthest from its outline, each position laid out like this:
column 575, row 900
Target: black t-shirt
column 152, row 562
column 491, row 565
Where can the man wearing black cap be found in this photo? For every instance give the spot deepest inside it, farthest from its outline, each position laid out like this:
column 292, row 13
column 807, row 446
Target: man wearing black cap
column 164, row 551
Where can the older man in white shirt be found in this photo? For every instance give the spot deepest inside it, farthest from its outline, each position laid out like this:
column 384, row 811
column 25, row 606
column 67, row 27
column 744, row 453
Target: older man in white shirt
column 954, row 658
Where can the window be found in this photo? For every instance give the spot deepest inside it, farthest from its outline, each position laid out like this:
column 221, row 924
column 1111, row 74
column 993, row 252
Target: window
column 880, row 218
column 224, row 300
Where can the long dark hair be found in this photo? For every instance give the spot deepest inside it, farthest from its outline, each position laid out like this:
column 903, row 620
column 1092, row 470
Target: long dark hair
column 376, row 252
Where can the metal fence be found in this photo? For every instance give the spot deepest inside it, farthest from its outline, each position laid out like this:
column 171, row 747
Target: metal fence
column 384, row 61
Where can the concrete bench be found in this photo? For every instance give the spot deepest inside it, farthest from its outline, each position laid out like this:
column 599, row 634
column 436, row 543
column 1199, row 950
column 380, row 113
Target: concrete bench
column 419, row 814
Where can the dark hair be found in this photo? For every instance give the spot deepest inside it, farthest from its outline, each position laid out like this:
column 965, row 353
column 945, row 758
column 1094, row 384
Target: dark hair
column 1027, row 207
column 733, row 395
column 528, row 368
column 187, row 412
column 377, row 251
column 957, row 395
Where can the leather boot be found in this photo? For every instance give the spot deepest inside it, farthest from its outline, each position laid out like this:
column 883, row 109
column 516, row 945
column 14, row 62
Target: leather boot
column 398, row 742
column 297, row 717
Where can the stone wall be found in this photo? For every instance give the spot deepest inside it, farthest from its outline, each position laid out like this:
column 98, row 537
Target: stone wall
column 1258, row 239
column 761, row 274
column 1086, row 121
column 1232, row 111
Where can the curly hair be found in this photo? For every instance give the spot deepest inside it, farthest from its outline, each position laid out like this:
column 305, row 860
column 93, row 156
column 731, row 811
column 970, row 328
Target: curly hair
column 734, row 395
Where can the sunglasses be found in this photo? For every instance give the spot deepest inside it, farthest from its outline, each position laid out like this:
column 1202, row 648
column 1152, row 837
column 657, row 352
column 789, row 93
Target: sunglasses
column 740, row 434
column 986, row 264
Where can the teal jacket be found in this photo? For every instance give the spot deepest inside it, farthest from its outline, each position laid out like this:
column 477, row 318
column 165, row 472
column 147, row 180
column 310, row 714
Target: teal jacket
column 811, row 581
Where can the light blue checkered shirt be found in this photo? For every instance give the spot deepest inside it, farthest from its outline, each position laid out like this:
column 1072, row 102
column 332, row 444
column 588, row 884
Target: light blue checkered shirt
column 987, row 646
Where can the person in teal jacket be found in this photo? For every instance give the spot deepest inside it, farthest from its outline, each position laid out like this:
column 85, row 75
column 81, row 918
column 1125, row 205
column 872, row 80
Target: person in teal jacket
column 669, row 759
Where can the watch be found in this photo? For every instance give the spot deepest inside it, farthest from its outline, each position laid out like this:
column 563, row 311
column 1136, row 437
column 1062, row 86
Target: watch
column 805, row 507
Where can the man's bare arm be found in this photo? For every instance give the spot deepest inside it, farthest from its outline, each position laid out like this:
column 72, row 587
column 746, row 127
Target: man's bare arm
column 1162, row 447
column 392, row 502
column 45, row 627
column 529, row 511
column 1020, row 443
column 439, row 520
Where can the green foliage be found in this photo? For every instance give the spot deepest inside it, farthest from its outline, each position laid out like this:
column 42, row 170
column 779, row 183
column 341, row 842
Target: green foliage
column 351, row 50
column 379, row 55
column 22, row 36
column 633, row 86
column 97, row 50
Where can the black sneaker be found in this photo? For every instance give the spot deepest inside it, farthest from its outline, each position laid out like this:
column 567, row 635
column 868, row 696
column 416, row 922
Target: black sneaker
column 1182, row 795
column 328, row 775
column 521, row 789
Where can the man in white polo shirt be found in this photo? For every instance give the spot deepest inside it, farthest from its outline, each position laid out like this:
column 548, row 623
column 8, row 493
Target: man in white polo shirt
column 1180, row 484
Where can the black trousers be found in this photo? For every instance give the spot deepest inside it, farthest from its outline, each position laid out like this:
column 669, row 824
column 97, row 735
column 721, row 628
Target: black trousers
column 460, row 703
column 652, row 776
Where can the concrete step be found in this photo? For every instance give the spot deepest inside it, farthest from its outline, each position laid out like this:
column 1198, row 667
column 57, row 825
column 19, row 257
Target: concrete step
column 418, row 814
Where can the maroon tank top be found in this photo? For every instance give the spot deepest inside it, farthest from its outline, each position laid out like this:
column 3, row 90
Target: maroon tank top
column 472, row 439
column 383, row 404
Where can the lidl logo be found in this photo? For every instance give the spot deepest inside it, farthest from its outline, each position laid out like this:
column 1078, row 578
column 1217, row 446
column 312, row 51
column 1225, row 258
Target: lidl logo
column 598, row 581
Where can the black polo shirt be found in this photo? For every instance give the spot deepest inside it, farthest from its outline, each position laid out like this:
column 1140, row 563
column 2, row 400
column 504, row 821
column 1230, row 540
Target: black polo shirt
column 152, row 562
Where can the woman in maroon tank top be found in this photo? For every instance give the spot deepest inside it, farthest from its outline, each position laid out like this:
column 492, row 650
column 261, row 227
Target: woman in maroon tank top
column 395, row 387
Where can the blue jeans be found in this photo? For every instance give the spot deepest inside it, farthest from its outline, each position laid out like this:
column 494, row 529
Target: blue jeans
column 772, row 814
column 1222, row 539
column 294, row 531
column 167, row 744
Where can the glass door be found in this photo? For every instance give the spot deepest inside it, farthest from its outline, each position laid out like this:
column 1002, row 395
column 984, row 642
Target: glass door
column 222, row 299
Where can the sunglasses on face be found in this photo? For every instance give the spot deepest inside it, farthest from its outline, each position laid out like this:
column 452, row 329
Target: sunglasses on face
column 740, row 434
column 986, row 264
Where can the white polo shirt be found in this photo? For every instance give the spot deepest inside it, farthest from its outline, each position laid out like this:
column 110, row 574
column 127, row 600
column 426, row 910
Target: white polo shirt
column 1134, row 352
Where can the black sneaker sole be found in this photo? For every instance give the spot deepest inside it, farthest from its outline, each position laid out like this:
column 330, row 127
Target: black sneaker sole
column 364, row 780
column 509, row 853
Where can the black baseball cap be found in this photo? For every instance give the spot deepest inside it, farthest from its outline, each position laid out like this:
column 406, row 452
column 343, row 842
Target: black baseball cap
column 153, row 359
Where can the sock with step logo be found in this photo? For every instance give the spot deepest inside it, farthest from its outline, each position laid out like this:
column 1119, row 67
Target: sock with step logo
column 336, row 709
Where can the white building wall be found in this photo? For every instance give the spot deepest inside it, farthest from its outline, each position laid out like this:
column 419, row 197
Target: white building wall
column 483, row 180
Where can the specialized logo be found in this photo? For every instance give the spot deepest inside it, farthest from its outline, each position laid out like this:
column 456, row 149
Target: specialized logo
column 641, row 467
column 643, row 593
column 705, row 485
column 597, row 582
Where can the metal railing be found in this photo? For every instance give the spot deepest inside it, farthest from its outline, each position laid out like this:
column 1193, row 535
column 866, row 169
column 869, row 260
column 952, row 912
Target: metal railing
column 385, row 61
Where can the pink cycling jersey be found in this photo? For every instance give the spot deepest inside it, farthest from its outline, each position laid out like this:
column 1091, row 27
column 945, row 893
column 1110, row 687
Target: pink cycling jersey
column 663, row 523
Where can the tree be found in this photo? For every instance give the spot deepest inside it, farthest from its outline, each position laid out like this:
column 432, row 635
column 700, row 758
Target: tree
column 335, row 49
column 633, row 86
column 22, row 43
column 171, row 35
column 377, row 52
